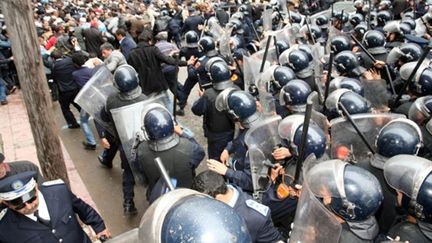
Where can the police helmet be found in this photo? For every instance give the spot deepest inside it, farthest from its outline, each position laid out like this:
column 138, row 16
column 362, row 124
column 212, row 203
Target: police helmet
column 158, row 127
column 282, row 46
column 383, row 17
column 220, row 75
column 347, row 83
column 322, row 21
column 237, row 26
column 360, row 30
column 340, row 43
column 207, row 45
column 410, row 22
column 295, row 17
column 192, row 39
column 126, row 78
column 341, row 16
column 411, row 175
column 421, row 111
column 349, row 191
column 242, row 107
column 374, row 41
column 291, row 129
column 356, row 19
column 283, row 75
column 423, row 85
column 410, row 52
column 294, row 94
column 353, row 102
column 399, row 136
column 347, row 63
column 298, row 60
column 169, row 219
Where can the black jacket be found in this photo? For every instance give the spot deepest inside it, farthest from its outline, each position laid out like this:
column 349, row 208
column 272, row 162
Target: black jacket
column 62, row 74
column 147, row 60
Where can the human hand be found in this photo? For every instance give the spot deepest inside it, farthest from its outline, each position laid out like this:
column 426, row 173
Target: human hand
column 217, row 166
column 281, row 153
column 104, row 234
column 192, row 60
column 178, row 130
column 200, row 92
column 276, row 171
column 224, row 157
column 379, row 64
column 104, row 143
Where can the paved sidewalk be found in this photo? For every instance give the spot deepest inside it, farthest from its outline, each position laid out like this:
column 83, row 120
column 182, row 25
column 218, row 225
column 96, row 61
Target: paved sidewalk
column 18, row 142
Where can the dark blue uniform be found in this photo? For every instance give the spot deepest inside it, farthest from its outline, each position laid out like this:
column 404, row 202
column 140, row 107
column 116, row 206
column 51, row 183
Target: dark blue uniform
column 239, row 173
column 218, row 126
column 63, row 227
column 257, row 217
column 192, row 78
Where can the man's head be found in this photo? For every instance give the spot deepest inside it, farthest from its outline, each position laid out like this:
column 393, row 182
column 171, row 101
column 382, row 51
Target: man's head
column 79, row 59
column 106, row 49
column 210, row 183
column 146, row 36
column 120, row 34
column 20, row 193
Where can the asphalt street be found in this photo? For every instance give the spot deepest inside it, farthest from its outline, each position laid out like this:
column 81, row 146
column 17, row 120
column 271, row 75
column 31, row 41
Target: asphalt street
column 104, row 185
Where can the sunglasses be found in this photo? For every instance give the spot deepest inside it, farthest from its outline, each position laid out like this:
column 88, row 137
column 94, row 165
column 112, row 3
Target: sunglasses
column 21, row 202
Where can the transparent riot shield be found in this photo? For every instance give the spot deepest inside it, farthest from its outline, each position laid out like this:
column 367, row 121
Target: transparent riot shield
column 267, row 19
column 318, row 53
column 261, row 140
column 346, row 6
column 251, row 69
column 128, row 123
column 266, row 98
column 345, row 137
column 92, row 97
column 313, row 222
column 216, row 31
column 224, row 44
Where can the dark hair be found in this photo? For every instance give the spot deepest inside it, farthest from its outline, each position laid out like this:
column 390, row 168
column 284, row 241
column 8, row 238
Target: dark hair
column 56, row 54
column 121, row 31
column 79, row 59
column 146, row 35
column 210, row 183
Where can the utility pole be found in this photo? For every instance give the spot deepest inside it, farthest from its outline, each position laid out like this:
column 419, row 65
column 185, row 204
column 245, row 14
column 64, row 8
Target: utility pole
column 21, row 28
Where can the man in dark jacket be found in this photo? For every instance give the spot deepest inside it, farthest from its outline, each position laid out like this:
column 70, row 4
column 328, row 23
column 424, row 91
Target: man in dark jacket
column 146, row 59
column 45, row 214
column 93, row 39
column 126, row 42
column 61, row 72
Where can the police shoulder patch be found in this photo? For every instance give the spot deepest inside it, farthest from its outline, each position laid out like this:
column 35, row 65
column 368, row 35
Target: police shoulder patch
column 3, row 213
column 260, row 208
column 53, row 182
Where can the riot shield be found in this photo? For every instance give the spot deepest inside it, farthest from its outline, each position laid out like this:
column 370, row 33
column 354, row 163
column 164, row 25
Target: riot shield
column 128, row 123
column 318, row 53
column 418, row 111
column 266, row 98
column 267, row 19
column 216, row 31
column 345, row 137
column 313, row 222
column 251, row 69
column 261, row 140
column 92, row 97
column 224, row 43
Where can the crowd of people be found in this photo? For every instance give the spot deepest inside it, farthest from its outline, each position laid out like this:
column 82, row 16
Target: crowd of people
column 317, row 117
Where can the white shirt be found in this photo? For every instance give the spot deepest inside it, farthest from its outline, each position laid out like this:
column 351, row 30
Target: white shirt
column 42, row 209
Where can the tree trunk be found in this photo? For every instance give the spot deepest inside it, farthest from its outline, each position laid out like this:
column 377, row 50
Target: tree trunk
column 21, row 28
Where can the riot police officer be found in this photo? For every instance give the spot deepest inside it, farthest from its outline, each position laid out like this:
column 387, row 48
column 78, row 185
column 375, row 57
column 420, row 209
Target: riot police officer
column 218, row 127
column 179, row 152
column 126, row 80
column 414, row 196
column 420, row 112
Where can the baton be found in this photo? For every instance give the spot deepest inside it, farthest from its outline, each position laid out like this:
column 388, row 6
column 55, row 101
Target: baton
column 175, row 87
column 390, row 79
column 419, row 62
column 203, row 30
column 299, row 162
column 310, row 32
column 276, row 48
column 369, row 14
column 164, row 173
column 348, row 116
column 265, row 53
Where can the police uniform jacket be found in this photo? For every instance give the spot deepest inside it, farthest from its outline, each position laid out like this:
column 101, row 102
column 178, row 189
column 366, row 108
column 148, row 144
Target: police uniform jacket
column 408, row 231
column 180, row 161
column 257, row 217
column 63, row 206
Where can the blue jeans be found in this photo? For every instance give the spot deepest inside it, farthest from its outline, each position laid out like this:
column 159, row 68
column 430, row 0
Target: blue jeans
column 2, row 90
column 84, row 117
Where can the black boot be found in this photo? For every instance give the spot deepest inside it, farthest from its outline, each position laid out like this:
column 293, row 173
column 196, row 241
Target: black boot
column 129, row 208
